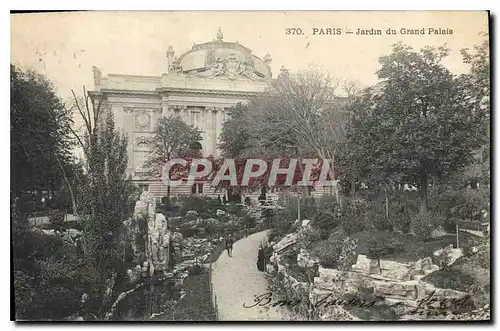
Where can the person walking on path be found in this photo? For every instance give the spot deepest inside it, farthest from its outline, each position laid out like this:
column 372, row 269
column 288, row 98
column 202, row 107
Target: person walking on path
column 229, row 245
column 260, row 259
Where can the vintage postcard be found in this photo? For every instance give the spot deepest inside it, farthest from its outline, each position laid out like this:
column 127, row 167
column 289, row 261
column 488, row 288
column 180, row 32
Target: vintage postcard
column 250, row 166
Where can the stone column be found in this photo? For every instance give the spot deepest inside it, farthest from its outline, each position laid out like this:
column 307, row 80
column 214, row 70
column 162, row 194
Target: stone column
column 186, row 114
column 176, row 110
column 165, row 111
column 220, row 120
column 210, row 135
column 128, row 126
column 119, row 117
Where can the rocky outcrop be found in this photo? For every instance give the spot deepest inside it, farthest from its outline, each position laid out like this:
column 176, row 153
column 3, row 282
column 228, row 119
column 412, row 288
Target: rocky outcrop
column 285, row 244
column 151, row 229
column 397, row 286
column 305, row 260
column 395, row 270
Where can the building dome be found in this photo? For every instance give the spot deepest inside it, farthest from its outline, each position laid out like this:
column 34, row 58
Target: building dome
column 221, row 58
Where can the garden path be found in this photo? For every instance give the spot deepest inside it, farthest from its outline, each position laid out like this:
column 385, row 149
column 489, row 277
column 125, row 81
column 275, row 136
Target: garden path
column 236, row 282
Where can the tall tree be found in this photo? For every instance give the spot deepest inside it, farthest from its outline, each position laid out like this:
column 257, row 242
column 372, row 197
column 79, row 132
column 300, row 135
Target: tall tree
column 173, row 139
column 235, row 135
column 104, row 192
column 419, row 126
column 40, row 138
column 476, row 85
column 299, row 117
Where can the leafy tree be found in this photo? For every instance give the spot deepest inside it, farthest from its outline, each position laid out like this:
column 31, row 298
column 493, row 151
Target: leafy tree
column 40, row 139
column 477, row 87
column 299, row 117
column 419, row 127
column 173, row 139
column 235, row 135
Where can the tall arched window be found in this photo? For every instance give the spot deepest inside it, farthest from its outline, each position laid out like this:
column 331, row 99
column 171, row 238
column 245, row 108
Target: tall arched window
column 141, row 154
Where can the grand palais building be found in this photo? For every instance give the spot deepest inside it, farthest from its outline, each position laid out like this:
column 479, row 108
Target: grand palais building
column 201, row 86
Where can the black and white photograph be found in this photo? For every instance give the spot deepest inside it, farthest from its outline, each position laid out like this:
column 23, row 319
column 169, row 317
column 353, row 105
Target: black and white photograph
column 294, row 166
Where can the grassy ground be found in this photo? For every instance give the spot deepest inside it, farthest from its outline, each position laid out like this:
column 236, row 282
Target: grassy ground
column 466, row 274
column 410, row 249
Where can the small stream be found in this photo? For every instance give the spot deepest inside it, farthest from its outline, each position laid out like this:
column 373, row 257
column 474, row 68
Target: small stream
column 154, row 297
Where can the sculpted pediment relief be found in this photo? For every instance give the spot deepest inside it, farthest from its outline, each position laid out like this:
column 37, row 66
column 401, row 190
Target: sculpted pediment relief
column 230, row 67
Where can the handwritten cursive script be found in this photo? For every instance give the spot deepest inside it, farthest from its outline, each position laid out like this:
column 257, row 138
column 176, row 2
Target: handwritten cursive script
column 266, row 299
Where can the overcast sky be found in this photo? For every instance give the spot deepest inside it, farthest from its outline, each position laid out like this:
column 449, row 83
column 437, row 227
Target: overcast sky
column 66, row 46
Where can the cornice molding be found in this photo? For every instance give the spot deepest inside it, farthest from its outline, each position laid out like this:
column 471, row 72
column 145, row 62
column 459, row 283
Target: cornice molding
column 203, row 92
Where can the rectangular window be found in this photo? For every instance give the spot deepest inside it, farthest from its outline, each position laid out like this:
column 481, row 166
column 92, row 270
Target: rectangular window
column 197, row 189
column 140, row 159
column 143, row 187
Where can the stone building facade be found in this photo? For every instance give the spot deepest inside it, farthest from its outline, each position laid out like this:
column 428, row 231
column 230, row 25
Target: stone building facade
column 200, row 85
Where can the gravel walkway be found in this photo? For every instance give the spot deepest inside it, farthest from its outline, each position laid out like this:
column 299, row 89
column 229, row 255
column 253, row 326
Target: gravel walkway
column 236, row 281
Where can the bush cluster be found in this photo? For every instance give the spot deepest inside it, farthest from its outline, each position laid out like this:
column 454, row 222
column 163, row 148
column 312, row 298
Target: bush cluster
column 56, row 217
column 424, row 222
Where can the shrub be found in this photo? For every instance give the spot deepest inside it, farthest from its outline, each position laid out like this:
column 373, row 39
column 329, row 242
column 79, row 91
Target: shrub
column 354, row 216
column 191, row 217
column 348, row 255
column 248, row 201
column 310, row 237
column 196, row 269
column 249, row 221
column 328, row 253
column 450, row 226
column 403, row 207
column 463, row 203
column 56, row 217
column 327, row 216
column 188, row 232
column 203, row 205
column 380, row 247
column 24, row 293
column 423, row 224
column 467, row 250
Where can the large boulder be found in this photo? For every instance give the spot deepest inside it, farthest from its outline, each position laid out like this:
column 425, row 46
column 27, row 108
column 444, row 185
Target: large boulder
column 161, row 222
column 304, row 259
column 421, row 268
column 395, row 270
column 286, row 243
column 395, row 290
column 341, row 282
column 49, row 232
column 362, row 264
